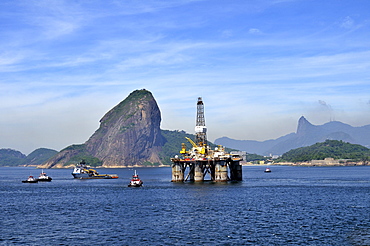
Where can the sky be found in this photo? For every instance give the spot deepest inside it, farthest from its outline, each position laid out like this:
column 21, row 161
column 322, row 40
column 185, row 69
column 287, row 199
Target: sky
column 259, row 65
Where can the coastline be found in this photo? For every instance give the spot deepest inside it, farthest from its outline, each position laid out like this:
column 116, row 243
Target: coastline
column 246, row 164
column 311, row 164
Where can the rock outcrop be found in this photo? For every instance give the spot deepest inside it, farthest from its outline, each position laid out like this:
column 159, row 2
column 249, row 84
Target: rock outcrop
column 129, row 134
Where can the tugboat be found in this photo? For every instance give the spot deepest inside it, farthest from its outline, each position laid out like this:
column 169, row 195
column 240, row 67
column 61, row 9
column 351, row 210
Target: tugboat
column 30, row 179
column 267, row 170
column 81, row 172
column 135, row 181
column 43, row 177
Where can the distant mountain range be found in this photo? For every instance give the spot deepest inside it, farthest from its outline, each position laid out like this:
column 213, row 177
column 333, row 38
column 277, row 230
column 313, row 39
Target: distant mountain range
column 130, row 134
column 307, row 134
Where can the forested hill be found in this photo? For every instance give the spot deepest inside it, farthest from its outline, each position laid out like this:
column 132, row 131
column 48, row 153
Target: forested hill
column 10, row 157
column 328, row 149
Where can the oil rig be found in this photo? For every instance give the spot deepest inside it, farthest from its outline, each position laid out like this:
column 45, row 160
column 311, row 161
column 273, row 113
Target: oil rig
column 195, row 163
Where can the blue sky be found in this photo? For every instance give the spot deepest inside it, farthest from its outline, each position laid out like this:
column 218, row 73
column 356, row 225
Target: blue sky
column 259, row 65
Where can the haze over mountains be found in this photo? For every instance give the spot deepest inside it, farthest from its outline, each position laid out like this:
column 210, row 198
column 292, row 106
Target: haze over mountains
column 306, row 135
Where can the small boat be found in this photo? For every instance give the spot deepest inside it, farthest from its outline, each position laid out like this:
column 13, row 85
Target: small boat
column 43, row 177
column 135, row 181
column 82, row 172
column 30, row 179
column 267, row 170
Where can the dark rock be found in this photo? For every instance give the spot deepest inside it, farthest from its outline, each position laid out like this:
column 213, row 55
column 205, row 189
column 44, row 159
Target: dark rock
column 129, row 134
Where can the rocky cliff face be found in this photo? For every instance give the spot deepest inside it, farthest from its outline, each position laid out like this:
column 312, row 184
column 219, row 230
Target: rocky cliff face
column 129, row 134
column 304, row 126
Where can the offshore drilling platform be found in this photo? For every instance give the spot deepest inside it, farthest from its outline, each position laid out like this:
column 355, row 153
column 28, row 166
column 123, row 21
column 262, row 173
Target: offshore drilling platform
column 200, row 160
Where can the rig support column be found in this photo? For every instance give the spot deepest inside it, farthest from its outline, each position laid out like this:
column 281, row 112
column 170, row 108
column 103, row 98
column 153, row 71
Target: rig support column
column 236, row 170
column 220, row 171
column 177, row 172
column 198, row 171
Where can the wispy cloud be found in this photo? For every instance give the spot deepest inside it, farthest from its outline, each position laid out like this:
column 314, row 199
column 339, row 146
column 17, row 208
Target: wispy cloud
column 254, row 31
column 347, row 23
column 250, row 60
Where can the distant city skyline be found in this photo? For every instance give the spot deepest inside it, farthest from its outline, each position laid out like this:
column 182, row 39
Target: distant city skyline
column 258, row 66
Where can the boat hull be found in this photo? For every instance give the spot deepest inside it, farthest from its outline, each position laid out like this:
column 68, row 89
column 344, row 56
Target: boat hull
column 81, row 171
column 44, row 180
column 30, row 181
column 89, row 176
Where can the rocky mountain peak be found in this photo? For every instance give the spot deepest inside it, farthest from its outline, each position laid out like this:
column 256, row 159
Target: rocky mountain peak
column 129, row 134
column 304, row 126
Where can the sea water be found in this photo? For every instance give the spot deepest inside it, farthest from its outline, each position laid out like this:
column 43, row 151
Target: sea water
column 289, row 206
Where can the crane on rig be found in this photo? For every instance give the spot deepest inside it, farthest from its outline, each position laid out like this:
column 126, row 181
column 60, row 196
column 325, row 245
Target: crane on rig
column 200, row 149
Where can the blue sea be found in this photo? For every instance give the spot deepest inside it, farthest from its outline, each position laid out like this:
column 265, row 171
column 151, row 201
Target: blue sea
column 289, row 206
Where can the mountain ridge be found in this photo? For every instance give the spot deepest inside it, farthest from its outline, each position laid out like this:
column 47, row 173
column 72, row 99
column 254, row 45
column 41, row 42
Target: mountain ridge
column 305, row 135
column 129, row 134
column 11, row 157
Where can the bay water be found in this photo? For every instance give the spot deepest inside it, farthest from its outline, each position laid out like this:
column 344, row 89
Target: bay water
column 292, row 205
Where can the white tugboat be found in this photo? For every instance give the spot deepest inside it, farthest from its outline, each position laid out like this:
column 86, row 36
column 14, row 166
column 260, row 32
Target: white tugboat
column 135, row 181
column 30, row 179
column 43, row 177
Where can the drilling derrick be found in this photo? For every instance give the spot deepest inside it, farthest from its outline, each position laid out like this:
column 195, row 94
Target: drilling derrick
column 200, row 127
column 200, row 160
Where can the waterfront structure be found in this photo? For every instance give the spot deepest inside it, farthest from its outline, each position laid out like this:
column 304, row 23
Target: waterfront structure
column 195, row 163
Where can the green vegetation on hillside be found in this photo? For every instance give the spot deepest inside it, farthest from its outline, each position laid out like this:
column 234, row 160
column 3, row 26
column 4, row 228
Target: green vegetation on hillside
column 9, row 157
column 82, row 154
column 172, row 145
column 90, row 160
column 134, row 97
column 138, row 94
column 255, row 157
column 39, row 156
column 328, row 149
